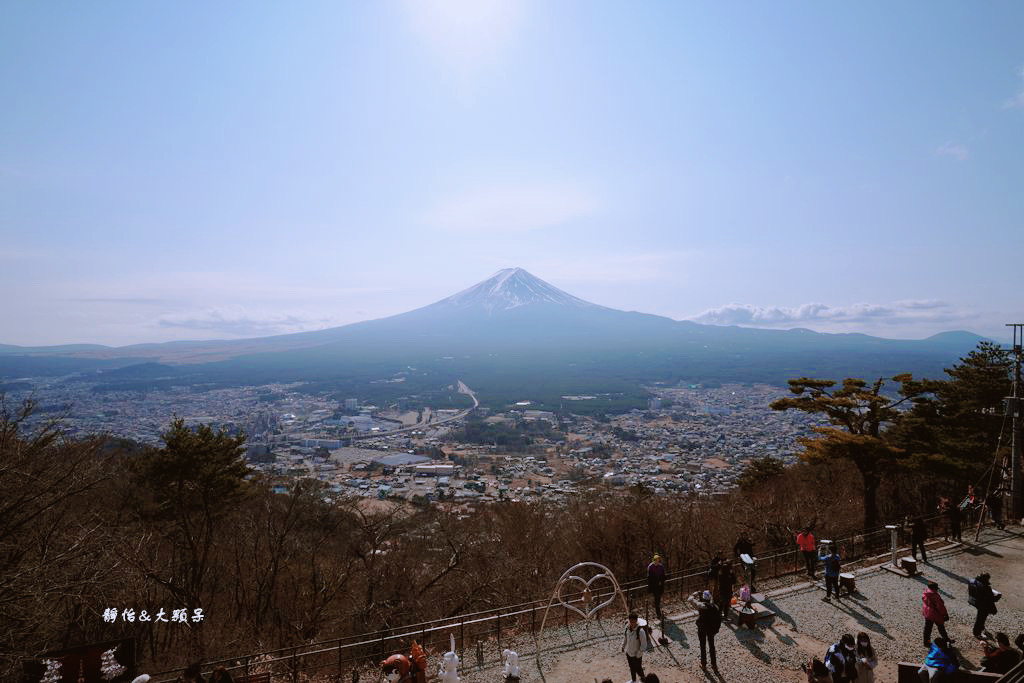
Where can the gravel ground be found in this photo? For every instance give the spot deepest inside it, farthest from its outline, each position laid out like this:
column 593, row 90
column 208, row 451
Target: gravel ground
column 887, row 607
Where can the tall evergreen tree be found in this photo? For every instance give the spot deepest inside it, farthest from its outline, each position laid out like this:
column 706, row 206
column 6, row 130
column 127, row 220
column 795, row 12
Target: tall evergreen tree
column 955, row 424
column 186, row 488
column 859, row 414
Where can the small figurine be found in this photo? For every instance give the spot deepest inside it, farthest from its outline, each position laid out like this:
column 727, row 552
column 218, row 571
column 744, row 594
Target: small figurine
column 511, row 674
column 449, row 665
column 395, row 669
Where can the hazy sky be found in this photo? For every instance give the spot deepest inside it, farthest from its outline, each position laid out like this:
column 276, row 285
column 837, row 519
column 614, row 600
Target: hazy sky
column 214, row 170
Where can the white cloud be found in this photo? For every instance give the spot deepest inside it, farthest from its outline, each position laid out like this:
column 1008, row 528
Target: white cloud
column 954, row 149
column 899, row 313
column 513, row 208
column 234, row 321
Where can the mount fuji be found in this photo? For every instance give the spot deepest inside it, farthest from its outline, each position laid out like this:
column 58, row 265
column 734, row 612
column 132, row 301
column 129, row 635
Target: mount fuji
column 507, row 289
column 507, row 336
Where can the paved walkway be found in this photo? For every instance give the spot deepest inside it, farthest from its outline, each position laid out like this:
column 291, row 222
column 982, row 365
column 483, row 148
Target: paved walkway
column 887, row 607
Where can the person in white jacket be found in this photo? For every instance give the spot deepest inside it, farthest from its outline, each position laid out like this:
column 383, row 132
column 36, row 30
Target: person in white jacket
column 634, row 643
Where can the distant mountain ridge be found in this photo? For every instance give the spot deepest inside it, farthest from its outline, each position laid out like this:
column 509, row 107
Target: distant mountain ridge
column 509, row 333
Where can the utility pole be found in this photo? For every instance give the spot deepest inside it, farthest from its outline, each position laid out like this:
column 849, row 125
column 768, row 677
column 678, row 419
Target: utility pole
column 1013, row 405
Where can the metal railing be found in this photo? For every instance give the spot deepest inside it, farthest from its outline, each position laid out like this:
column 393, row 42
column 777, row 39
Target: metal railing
column 487, row 633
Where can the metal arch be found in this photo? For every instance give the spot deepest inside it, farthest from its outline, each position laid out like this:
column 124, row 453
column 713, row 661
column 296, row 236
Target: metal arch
column 604, row 573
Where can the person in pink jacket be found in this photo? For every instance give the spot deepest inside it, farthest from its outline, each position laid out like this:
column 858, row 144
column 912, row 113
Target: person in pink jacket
column 934, row 612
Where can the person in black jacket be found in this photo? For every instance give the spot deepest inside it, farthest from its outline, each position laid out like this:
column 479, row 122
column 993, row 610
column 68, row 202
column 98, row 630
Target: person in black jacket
column 726, row 580
column 708, row 624
column 656, row 582
column 744, row 546
column 979, row 594
column 918, row 534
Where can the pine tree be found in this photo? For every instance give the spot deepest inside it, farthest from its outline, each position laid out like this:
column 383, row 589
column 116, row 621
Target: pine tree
column 859, row 414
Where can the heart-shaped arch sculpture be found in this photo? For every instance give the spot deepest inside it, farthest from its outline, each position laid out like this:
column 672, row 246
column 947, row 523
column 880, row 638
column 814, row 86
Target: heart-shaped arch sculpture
column 570, row 578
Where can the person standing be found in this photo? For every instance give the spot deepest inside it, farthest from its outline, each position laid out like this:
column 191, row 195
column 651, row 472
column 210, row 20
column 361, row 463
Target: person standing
column 969, row 504
column 943, row 509
column 714, row 571
column 918, row 534
column 954, row 516
column 933, row 609
column 979, row 594
column 709, row 622
column 744, row 546
column 805, row 543
column 866, row 660
column 995, row 508
column 656, row 582
column 726, row 580
column 831, row 562
column 634, row 643
column 841, row 660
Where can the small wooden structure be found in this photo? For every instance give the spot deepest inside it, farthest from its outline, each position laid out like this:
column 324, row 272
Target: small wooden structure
column 847, row 581
column 749, row 614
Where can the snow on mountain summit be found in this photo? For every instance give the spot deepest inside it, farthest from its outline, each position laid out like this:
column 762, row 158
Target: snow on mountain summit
column 511, row 288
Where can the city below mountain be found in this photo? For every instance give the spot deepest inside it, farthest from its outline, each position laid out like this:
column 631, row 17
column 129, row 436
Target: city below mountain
column 509, row 336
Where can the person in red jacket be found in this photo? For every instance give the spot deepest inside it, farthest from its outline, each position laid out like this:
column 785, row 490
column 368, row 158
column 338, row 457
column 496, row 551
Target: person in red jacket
column 933, row 609
column 805, row 542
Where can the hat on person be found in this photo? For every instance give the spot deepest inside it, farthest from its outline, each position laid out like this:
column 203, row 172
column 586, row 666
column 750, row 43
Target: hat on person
column 656, row 557
column 706, row 596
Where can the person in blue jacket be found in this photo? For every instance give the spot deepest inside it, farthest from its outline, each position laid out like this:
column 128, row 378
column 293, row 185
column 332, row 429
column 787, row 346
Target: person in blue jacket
column 940, row 663
column 832, row 569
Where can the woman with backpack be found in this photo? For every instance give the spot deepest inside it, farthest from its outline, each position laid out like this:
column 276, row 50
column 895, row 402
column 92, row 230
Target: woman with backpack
column 981, row 596
column 841, row 660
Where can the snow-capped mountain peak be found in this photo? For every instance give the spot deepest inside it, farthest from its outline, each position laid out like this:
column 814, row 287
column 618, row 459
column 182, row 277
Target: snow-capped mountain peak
column 512, row 288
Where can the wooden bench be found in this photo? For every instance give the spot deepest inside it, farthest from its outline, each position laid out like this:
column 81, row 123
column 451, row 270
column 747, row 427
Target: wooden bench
column 907, row 673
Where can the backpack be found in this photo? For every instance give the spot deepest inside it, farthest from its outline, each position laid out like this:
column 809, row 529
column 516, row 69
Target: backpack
column 715, row 622
column 836, row 660
column 649, row 633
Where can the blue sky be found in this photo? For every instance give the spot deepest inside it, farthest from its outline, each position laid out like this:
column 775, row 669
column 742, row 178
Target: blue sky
column 216, row 170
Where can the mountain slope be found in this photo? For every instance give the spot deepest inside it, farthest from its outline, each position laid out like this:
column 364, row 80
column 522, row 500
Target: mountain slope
column 514, row 329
